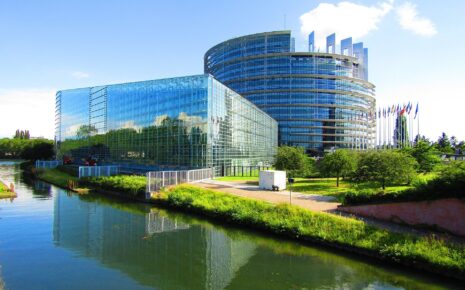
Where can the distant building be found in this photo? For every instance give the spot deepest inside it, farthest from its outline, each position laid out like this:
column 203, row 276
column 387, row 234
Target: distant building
column 176, row 123
column 321, row 100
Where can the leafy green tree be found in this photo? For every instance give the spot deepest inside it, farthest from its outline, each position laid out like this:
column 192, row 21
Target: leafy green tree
column 85, row 131
column 443, row 144
column 29, row 149
column 294, row 161
column 460, row 147
column 38, row 149
column 339, row 163
column 425, row 154
column 386, row 167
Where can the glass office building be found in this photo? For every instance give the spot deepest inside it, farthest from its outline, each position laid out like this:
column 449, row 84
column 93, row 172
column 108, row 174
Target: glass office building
column 321, row 100
column 176, row 123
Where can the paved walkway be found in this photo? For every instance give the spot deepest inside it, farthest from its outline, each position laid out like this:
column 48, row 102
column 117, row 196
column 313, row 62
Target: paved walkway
column 309, row 201
column 313, row 202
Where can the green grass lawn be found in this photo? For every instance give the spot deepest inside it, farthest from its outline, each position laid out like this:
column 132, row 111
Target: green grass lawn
column 326, row 186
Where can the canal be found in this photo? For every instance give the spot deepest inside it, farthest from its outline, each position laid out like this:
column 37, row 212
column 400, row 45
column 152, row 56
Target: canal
column 54, row 239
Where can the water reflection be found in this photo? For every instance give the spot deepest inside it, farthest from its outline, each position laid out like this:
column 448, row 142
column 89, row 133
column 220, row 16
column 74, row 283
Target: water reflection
column 169, row 250
column 95, row 242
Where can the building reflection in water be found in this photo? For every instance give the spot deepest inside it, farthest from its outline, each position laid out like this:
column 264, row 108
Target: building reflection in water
column 153, row 249
column 175, row 251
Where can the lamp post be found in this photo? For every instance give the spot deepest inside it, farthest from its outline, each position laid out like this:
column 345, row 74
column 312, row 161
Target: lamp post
column 291, row 181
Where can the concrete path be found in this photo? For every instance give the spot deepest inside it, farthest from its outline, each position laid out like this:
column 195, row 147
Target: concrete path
column 309, row 201
column 313, row 202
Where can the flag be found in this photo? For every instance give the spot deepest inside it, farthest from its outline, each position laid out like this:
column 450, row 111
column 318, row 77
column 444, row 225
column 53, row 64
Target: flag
column 416, row 112
column 379, row 113
column 393, row 108
column 389, row 110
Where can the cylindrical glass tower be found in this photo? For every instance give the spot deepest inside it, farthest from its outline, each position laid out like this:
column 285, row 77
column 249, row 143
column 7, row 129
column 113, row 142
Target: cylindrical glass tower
column 322, row 101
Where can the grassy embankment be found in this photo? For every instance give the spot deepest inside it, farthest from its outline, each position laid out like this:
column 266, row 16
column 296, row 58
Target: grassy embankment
column 428, row 253
column 419, row 252
column 61, row 179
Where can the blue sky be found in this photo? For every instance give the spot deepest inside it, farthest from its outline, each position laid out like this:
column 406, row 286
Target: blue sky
column 415, row 48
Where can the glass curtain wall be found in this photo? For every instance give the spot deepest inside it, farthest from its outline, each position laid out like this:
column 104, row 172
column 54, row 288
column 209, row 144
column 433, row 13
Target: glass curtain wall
column 177, row 123
column 318, row 99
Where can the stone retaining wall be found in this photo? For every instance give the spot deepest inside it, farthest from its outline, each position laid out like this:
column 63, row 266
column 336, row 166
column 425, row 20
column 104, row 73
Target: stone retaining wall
column 443, row 214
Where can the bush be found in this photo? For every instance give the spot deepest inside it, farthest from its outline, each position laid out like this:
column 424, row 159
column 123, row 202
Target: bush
column 385, row 167
column 133, row 185
column 450, row 183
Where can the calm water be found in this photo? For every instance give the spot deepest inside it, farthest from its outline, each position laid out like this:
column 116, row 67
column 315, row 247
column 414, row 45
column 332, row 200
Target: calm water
column 52, row 239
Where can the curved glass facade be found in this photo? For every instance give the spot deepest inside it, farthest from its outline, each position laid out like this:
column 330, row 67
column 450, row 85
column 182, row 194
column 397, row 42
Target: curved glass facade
column 321, row 101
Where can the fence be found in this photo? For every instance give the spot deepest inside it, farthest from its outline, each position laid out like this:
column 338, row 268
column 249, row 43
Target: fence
column 87, row 171
column 159, row 179
column 243, row 170
column 48, row 164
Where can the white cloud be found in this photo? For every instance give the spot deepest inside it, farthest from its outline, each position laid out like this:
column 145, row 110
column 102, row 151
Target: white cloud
column 346, row 19
column 27, row 109
column 409, row 20
column 79, row 75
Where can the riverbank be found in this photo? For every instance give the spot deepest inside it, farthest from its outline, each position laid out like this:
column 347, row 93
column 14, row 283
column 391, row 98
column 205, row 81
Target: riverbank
column 423, row 253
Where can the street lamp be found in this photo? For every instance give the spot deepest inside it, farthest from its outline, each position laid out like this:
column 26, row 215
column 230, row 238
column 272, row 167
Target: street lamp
column 291, row 181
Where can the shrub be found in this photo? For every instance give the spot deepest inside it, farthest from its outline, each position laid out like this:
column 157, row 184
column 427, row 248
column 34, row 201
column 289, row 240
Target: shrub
column 385, row 167
column 450, row 183
column 133, row 185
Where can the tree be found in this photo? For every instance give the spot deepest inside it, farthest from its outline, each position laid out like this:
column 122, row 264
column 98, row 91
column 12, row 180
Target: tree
column 85, row 131
column 424, row 153
column 340, row 163
column 38, row 149
column 294, row 161
column 386, row 167
column 460, row 147
column 443, row 144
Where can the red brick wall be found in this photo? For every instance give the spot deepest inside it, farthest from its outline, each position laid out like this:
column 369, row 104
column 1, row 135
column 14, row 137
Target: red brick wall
column 446, row 214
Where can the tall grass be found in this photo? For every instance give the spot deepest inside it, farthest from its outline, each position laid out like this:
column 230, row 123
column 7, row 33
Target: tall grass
column 427, row 252
column 133, row 185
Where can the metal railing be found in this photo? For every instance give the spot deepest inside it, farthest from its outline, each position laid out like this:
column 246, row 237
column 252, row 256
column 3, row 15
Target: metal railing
column 159, row 179
column 242, row 170
column 88, row 171
column 48, row 163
